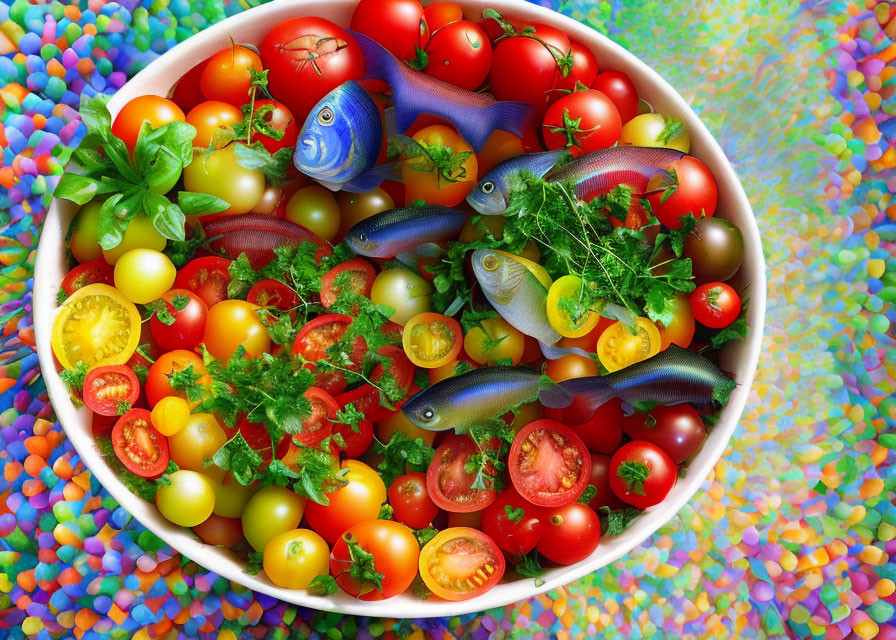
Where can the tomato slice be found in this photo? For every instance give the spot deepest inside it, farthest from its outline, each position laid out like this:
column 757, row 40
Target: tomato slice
column 97, row 325
column 549, row 464
column 141, row 449
column 431, row 339
column 618, row 347
column 461, row 563
column 273, row 293
column 207, row 277
column 90, row 272
column 107, row 388
column 564, row 296
column 451, row 486
column 316, row 337
column 257, row 437
column 360, row 274
column 319, row 424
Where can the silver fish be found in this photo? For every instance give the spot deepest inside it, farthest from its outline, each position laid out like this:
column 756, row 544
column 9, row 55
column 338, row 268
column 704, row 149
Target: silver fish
column 398, row 231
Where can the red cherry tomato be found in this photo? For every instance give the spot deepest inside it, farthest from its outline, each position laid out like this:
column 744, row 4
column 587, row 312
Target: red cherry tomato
column 438, row 14
column 619, row 88
column 187, row 93
column 139, row 447
column 360, row 273
column 549, row 464
column 677, row 430
column 220, row 531
column 583, row 121
column 514, row 523
column 459, row 53
column 451, row 486
column 110, row 387
column 273, row 293
column 227, row 75
column 182, row 324
column 396, row 24
column 696, row 192
column 207, row 277
column 583, row 71
column 279, row 118
column 600, row 480
column 571, row 533
column 366, row 398
column 641, row 474
column 601, row 431
column 90, row 272
column 356, row 442
column 715, row 305
column 259, row 438
column 312, row 343
column 410, row 501
column 395, row 553
column 306, row 58
column 525, row 68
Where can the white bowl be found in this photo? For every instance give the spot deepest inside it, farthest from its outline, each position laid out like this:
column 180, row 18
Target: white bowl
column 740, row 357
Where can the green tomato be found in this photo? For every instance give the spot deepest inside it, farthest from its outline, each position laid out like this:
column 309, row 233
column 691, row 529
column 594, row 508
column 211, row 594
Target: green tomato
column 187, row 499
column 270, row 512
column 316, row 209
column 231, row 497
column 143, row 275
column 404, row 291
column 140, row 234
column 83, row 241
column 646, row 129
column 219, row 174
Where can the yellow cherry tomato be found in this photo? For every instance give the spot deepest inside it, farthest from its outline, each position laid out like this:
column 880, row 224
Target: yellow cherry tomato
column 170, row 415
column 83, row 241
column 655, row 130
column 231, row 497
column 140, row 234
column 270, row 512
column 232, row 323
column 431, row 339
column 316, row 209
column 405, row 291
column 681, row 330
column 494, row 341
column 295, row 558
column 143, row 275
column 220, row 174
column 211, row 119
column 387, row 428
column 570, row 366
column 97, row 325
column 186, row 499
column 618, row 347
column 197, row 442
column 569, row 317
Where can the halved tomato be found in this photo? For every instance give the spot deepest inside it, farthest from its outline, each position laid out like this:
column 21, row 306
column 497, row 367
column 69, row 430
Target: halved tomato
column 141, row 449
column 207, row 277
column 549, row 464
column 366, row 397
column 461, row 563
column 90, row 272
column 319, row 424
column 431, row 339
column 449, row 482
column 313, row 341
column 360, row 275
column 273, row 293
column 107, row 388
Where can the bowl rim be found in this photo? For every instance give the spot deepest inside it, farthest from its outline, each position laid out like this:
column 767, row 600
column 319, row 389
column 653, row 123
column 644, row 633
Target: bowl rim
column 405, row 606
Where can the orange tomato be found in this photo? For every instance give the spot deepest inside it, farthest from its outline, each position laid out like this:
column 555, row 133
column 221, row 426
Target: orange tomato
column 155, row 110
column 232, row 323
column 210, row 119
column 424, row 180
column 226, row 76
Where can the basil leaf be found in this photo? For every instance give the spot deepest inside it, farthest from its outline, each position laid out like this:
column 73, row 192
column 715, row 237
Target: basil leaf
column 77, row 188
column 118, row 154
column 273, row 166
column 91, row 160
column 95, row 114
column 166, row 216
column 196, row 204
column 112, row 227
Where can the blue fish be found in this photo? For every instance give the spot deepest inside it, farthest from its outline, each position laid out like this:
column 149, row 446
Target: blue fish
column 491, row 194
column 475, row 115
column 341, row 139
column 403, row 231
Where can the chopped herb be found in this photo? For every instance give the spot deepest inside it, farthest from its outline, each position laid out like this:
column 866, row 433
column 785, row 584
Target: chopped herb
column 514, row 514
column 238, row 457
column 254, row 563
column 74, row 378
column 616, row 521
column 385, row 512
column 317, row 476
column 528, row 565
column 61, row 296
column 425, row 535
column 678, row 236
column 588, row 494
column 187, row 380
column 273, row 165
column 141, row 371
column 401, row 455
column 634, row 474
column 122, row 407
column 735, row 331
column 142, row 487
column 351, row 416
column 672, row 128
column 361, row 565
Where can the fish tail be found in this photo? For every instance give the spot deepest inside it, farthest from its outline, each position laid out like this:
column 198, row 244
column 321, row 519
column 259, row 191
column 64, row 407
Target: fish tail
column 506, row 115
column 555, row 353
column 372, row 178
column 380, row 64
column 596, row 390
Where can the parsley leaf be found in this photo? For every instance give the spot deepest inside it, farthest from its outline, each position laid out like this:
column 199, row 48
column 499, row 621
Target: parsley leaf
column 588, row 494
column 386, row 512
column 74, row 378
column 187, row 380
column 323, row 585
column 528, row 565
column 401, row 455
column 238, row 457
column 425, row 535
column 254, row 563
column 350, row 415
column 317, row 476
column 617, row 520
column 361, row 564
column 142, row 487
column 634, row 474
column 514, row 514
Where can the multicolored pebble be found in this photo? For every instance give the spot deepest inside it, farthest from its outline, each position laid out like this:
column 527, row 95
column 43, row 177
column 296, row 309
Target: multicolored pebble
column 794, row 534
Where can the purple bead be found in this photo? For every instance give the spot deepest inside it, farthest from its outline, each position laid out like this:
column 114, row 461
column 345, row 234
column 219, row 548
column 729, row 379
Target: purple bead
column 30, row 43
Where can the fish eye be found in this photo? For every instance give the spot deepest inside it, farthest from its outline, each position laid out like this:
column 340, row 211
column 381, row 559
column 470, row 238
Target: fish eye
column 325, row 116
column 490, row 262
column 362, row 237
column 488, row 187
column 428, row 414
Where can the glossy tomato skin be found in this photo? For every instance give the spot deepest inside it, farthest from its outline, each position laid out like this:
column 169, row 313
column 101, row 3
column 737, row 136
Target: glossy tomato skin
column 295, row 558
column 697, row 193
column 272, row 293
column 450, row 485
column 395, row 553
column 395, row 24
column 307, row 58
column 524, row 69
column 153, row 109
column 619, row 88
column 220, row 531
column 428, row 183
column 187, row 92
column 361, row 277
column 410, row 501
column 440, row 13
column 549, row 464
column 514, row 523
column 716, row 250
column 641, row 474
column 601, row 431
column 211, row 118
column 207, row 277
column 678, row 430
column 280, row 118
column 359, row 500
column 583, row 71
column 316, row 337
column 460, row 54
column 571, row 533
column 139, row 447
column 583, row 121
column 356, row 442
column 681, row 330
column 107, row 387
column 571, row 366
column 460, row 563
column 227, row 76
column 157, row 386
column 600, row 480
column 93, row 271
column 189, row 321
column 715, row 305
column 232, row 324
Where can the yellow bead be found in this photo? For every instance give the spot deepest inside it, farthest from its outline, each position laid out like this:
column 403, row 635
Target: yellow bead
column 873, row 555
column 32, row 625
column 885, row 587
column 866, row 629
column 876, row 267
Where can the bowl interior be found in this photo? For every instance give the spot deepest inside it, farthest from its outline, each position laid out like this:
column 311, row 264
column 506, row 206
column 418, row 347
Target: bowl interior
column 740, row 357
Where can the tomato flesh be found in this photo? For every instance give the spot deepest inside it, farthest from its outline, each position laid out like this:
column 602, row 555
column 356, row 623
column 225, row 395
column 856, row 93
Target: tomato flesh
column 360, row 280
column 319, row 335
column 549, row 464
column 139, row 446
column 449, row 483
column 431, row 340
column 207, row 277
column 107, row 388
column 460, row 563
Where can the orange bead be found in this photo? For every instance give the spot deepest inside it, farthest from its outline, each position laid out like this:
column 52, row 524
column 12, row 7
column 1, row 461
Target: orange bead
column 38, row 446
column 32, row 487
column 34, row 465
column 62, row 468
column 90, row 29
column 16, row 89
column 55, row 68
column 85, row 619
column 26, row 580
column 72, row 12
column 12, row 470
column 8, row 179
column 71, row 492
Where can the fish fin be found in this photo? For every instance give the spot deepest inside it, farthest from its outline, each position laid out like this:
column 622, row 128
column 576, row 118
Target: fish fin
column 379, row 63
column 596, row 390
column 614, row 311
column 332, row 186
column 429, row 250
column 627, row 408
column 507, row 115
column 555, row 353
column 543, row 162
column 392, row 130
column 372, row 178
column 409, row 258
column 553, row 395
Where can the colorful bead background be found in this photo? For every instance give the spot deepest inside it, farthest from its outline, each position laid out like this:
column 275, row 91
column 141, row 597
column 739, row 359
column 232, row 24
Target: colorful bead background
column 792, row 535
